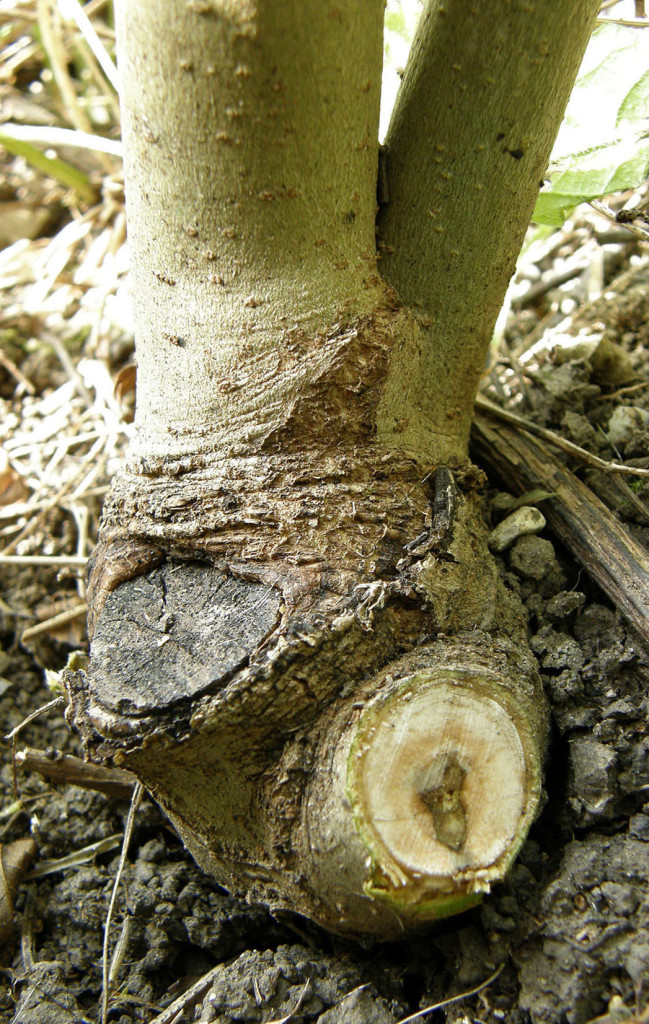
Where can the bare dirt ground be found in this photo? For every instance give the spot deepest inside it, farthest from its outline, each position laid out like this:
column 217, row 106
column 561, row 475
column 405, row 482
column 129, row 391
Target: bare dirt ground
column 566, row 937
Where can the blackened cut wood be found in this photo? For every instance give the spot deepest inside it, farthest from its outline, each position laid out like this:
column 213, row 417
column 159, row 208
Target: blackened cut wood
column 583, row 523
column 175, row 633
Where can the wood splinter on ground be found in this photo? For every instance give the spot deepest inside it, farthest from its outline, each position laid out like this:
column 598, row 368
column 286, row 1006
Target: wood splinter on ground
column 596, row 538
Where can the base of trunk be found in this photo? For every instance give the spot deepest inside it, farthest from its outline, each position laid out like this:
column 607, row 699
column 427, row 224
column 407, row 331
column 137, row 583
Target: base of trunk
column 357, row 737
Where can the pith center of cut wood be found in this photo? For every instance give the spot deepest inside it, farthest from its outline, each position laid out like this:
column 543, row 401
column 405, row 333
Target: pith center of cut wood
column 444, row 801
column 443, row 778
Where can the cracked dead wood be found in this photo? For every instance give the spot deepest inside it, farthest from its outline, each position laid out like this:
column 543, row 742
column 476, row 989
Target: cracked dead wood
column 301, row 645
column 597, row 539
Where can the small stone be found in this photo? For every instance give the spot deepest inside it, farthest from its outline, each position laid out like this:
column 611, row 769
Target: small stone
column 359, row 1007
column 592, row 766
column 557, row 651
column 578, row 428
column 501, row 502
column 639, row 826
column 525, row 520
column 621, row 710
column 565, row 602
column 621, row 897
column 594, row 622
column 532, row 557
column 611, row 364
column 625, row 421
column 564, row 686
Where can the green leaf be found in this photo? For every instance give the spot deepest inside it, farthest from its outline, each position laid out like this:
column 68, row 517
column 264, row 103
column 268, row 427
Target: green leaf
column 532, row 498
column 613, row 168
column 595, row 156
column 395, row 21
column 64, row 173
column 635, row 104
column 615, row 63
column 53, row 682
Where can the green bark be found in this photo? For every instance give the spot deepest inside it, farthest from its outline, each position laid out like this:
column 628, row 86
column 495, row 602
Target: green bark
column 469, row 141
column 250, row 140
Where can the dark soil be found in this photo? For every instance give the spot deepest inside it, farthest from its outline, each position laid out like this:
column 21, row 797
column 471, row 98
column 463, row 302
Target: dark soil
column 569, row 929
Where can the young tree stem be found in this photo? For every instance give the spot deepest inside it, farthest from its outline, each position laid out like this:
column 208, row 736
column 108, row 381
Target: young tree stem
column 479, row 107
column 250, row 134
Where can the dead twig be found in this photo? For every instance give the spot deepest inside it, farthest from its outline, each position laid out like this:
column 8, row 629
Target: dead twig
column 86, row 855
column 27, row 929
column 617, row 562
column 56, row 621
column 188, row 999
column 73, row 771
column 454, row 999
column 20, row 377
column 300, row 999
column 138, row 792
column 602, row 207
column 55, row 343
column 629, row 389
column 628, row 22
column 18, row 729
column 45, row 560
column 50, row 24
column 63, row 491
column 35, row 714
column 556, row 440
column 46, row 135
column 196, row 991
column 541, row 288
column 90, row 35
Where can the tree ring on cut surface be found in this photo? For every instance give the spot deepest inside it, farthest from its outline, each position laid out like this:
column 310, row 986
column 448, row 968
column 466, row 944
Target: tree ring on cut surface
column 439, row 781
column 175, row 633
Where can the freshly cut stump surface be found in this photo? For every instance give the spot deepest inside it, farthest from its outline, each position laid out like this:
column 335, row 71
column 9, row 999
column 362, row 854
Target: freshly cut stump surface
column 444, row 782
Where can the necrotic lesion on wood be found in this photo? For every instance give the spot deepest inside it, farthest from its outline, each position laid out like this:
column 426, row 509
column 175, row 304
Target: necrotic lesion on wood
column 445, row 803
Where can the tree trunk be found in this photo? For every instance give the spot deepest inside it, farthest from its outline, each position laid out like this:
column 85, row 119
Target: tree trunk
column 301, row 644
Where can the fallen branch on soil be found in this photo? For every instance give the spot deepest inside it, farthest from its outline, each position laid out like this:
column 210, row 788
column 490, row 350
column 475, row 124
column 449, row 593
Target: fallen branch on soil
column 454, row 999
column 138, row 792
column 74, row 772
column 555, row 439
column 577, row 516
